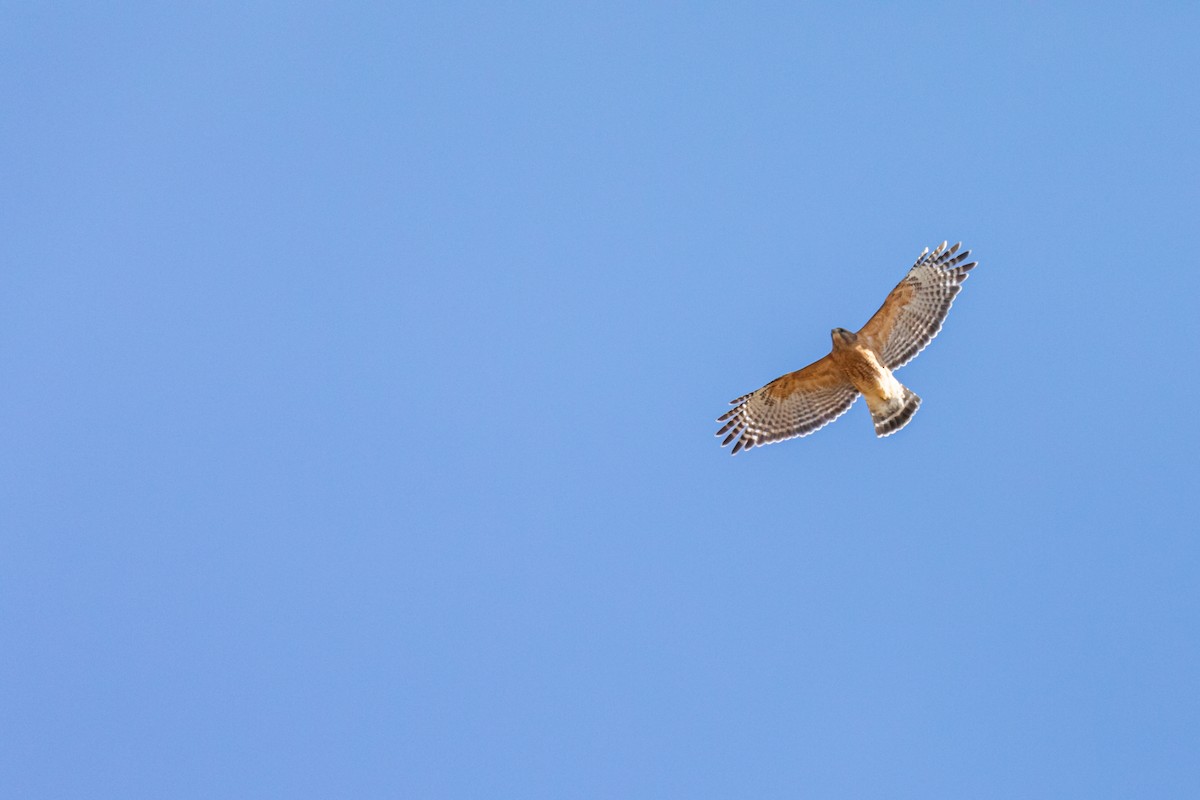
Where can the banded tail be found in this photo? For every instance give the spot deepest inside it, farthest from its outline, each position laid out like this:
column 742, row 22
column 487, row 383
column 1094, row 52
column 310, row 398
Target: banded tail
column 892, row 415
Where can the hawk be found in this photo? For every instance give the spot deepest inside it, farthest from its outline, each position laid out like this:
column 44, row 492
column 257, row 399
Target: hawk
column 860, row 363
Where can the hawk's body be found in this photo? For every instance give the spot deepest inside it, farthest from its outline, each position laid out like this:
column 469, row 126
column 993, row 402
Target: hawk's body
column 860, row 363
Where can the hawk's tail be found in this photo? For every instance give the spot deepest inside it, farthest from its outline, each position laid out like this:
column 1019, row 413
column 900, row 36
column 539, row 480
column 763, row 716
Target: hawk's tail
column 892, row 415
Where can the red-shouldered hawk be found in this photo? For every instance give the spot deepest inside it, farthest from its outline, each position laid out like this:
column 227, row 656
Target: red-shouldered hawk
column 861, row 363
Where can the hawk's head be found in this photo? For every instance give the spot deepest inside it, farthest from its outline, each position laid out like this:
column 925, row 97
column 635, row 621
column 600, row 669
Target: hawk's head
column 843, row 337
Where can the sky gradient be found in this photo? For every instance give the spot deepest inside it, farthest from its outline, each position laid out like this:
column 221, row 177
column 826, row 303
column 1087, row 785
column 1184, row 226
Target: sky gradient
column 361, row 368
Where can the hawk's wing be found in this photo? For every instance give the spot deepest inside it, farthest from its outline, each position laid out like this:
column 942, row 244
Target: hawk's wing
column 913, row 313
column 795, row 405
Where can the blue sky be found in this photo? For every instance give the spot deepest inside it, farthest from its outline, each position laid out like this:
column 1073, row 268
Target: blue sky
column 361, row 364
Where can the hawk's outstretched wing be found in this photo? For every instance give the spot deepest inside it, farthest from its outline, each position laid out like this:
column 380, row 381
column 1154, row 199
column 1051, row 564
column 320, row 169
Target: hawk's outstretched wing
column 795, row 405
column 914, row 311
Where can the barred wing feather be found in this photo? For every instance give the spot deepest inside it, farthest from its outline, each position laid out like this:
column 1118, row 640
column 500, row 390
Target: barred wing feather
column 796, row 404
column 915, row 310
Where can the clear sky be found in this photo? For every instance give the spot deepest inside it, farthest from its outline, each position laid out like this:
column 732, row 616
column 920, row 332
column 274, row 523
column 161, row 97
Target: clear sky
column 361, row 362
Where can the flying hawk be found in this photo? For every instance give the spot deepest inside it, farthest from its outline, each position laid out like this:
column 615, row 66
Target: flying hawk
column 861, row 363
